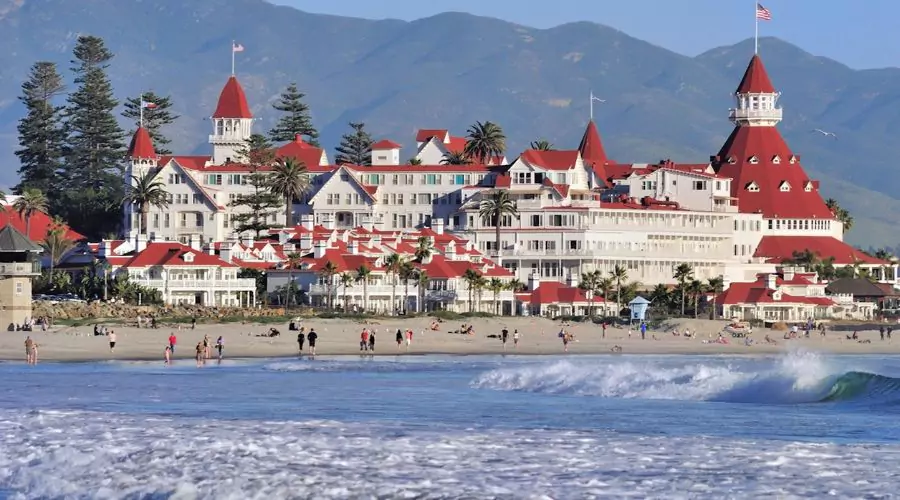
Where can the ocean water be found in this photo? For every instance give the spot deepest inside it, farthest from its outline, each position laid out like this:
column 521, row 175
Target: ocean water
column 793, row 426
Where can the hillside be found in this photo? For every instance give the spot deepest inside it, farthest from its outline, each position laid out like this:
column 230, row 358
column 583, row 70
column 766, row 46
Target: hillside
column 449, row 70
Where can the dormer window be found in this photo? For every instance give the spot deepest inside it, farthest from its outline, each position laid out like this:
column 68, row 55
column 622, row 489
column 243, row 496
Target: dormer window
column 776, row 159
column 189, row 257
column 754, row 160
column 809, row 187
column 793, row 159
column 753, row 187
column 732, row 160
column 785, row 187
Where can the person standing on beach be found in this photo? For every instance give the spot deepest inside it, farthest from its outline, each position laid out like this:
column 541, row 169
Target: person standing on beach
column 889, row 331
column 603, row 327
column 206, row 346
column 29, row 350
column 300, row 339
column 168, row 355
column 194, row 323
column 643, row 331
column 220, row 345
column 199, row 354
column 364, row 340
column 372, row 342
column 312, row 337
column 565, row 340
column 504, row 335
column 409, row 334
column 112, row 341
column 399, row 338
column 172, row 341
column 516, row 339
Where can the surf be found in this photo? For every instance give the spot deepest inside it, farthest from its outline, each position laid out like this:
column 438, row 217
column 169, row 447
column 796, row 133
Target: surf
column 797, row 378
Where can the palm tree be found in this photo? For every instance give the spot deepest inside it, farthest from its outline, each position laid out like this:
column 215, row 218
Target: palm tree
column 716, row 285
column 406, row 272
column 485, row 141
column 456, row 158
column 588, row 284
column 515, row 285
column 683, row 273
column 496, row 285
column 542, row 145
column 328, row 271
column 695, row 288
column 840, row 213
column 147, row 191
column 471, row 276
column 392, row 264
column 414, row 161
column 347, row 280
column 618, row 274
column 423, row 249
column 493, row 208
column 362, row 274
column 603, row 286
column 56, row 243
column 660, row 296
column 290, row 181
column 422, row 283
column 293, row 260
column 480, row 284
column 31, row 202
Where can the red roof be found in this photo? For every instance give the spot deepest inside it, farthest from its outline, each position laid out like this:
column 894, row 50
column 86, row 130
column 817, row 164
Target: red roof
column 779, row 248
column 40, row 223
column 756, row 80
column 188, row 162
column 232, row 101
column 425, row 134
column 554, row 292
column 591, row 147
column 758, row 293
column 553, row 160
column 758, row 156
column 142, row 146
column 169, row 253
column 301, row 151
column 386, row 144
column 421, row 169
column 456, row 144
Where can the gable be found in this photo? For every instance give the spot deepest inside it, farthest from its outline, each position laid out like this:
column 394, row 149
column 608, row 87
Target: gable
column 190, row 185
column 342, row 182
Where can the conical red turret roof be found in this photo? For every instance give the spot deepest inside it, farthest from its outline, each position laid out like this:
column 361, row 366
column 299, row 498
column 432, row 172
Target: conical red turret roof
column 141, row 147
column 232, row 101
column 591, row 146
column 756, row 80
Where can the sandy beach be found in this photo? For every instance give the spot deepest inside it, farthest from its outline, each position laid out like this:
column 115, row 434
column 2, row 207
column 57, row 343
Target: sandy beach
column 538, row 336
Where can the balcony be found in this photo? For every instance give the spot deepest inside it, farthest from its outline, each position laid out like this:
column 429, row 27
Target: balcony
column 665, row 253
column 773, row 115
column 20, row 268
column 198, row 285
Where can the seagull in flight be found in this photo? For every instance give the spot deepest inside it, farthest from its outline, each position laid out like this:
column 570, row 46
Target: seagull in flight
column 824, row 132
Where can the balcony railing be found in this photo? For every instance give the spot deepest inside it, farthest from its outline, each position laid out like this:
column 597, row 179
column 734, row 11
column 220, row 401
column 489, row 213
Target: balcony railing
column 19, row 268
column 669, row 253
column 235, row 284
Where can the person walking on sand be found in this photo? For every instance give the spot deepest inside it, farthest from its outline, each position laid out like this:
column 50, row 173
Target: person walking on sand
column 372, row 342
column 364, row 340
column 172, row 341
column 516, row 339
column 206, row 346
column 168, row 355
column 603, row 327
column 29, row 350
column 504, row 335
column 112, row 341
column 220, row 345
column 409, row 334
column 565, row 340
column 312, row 337
column 399, row 338
column 643, row 331
column 300, row 339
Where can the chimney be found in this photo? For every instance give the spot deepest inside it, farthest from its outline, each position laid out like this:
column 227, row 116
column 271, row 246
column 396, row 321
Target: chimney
column 105, row 248
column 225, row 252
column 437, row 225
column 306, row 220
column 211, row 248
column 140, row 243
column 194, row 242
column 306, row 241
column 328, row 221
column 771, row 281
column 353, row 247
column 788, row 273
column 319, row 249
column 247, row 241
column 534, row 281
column 450, row 251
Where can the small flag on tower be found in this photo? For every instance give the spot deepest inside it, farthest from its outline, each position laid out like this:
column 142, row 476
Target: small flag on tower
column 236, row 47
column 763, row 13
column 148, row 105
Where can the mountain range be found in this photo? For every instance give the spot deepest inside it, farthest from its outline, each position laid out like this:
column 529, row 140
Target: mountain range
column 449, row 70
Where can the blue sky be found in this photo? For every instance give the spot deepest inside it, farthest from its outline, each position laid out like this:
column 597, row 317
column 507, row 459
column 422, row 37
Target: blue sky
column 860, row 34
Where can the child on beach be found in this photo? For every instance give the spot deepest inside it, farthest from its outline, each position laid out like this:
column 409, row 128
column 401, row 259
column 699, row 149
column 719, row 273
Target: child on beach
column 168, row 355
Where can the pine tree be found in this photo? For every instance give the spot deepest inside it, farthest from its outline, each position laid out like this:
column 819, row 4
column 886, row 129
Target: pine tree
column 96, row 147
column 296, row 121
column 261, row 205
column 94, row 170
column 356, row 147
column 154, row 118
column 41, row 134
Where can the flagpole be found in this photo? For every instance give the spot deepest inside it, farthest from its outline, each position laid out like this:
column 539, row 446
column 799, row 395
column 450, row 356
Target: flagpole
column 592, row 105
column 142, row 109
column 756, row 34
column 232, row 58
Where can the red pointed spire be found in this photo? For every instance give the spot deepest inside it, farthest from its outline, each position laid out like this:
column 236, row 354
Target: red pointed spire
column 756, row 80
column 591, row 147
column 141, row 147
column 232, row 101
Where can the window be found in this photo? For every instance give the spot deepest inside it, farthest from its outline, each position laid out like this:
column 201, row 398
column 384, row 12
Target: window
column 399, row 198
column 349, row 199
column 395, row 179
column 753, row 187
column 177, row 179
column 198, row 220
column 699, row 185
column 536, row 221
column 431, row 179
column 198, row 199
column 648, row 185
column 785, row 187
column 809, row 187
column 776, row 160
column 212, row 216
column 183, row 219
column 155, row 221
column 19, row 288
column 718, row 185
column 166, row 220
column 214, row 179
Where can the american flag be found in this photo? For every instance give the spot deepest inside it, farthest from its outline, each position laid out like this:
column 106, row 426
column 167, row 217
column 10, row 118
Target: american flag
column 763, row 13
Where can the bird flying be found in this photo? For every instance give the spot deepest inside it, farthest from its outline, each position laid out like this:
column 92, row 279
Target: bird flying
column 824, row 132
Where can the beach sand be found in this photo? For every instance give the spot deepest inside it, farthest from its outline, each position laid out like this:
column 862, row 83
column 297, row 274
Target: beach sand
column 341, row 337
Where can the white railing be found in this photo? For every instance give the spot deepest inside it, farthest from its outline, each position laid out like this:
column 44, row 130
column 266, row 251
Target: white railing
column 235, row 284
column 622, row 252
column 771, row 114
column 13, row 268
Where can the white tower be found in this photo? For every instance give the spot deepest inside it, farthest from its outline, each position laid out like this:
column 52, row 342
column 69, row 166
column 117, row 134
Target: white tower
column 142, row 160
column 756, row 98
column 232, row 124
